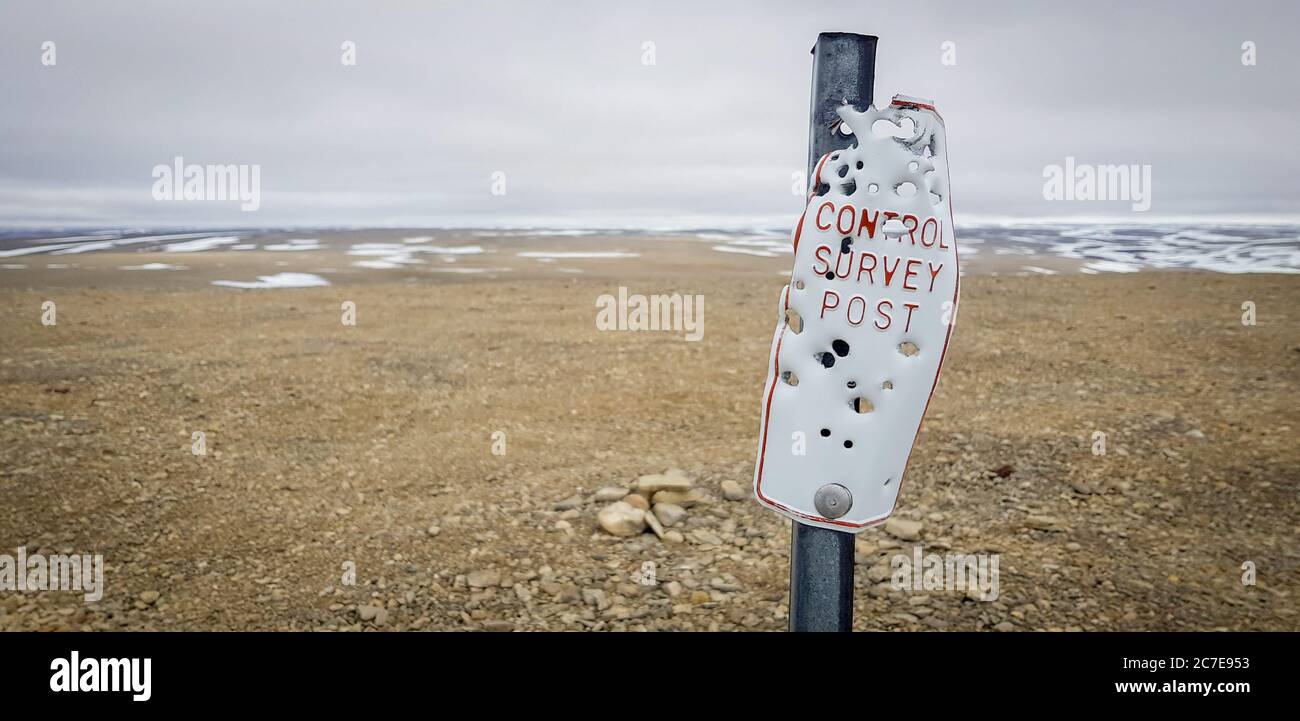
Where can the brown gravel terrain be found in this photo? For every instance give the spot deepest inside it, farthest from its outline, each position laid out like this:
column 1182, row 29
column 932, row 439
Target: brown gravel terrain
column 371, row 447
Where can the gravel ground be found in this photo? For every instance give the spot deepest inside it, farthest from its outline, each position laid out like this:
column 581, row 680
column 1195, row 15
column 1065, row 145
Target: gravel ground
column 350, row 480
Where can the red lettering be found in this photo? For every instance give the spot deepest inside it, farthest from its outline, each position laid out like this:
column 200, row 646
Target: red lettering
column 908, row 273
column 871, row 272
column 934, row 273
column 868, row 221
column 848, row 267
column 818, row 217
column 910, row 307
column 935, row 232
column 839, row 220
column 911, row 232
column 826, row 262
column 889, row 272
column 827, row 296
column 883, row 315
column 861, row 313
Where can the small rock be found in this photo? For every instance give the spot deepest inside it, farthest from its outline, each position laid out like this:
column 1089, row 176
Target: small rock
column 1195, row 434
column 483, row 579
column 571, row 502
column 595, row 597
column 653, row 483
column 622, row 519
column 733, row 491
column 637, row 500
column 669, row 514
column 1043, row 523
column 881, row 571
column 1003, row 471
column 655, row 526
column 903, row 529
column 881, row 590
column 150, row 597
column 377, row 615
column 724, row 585
column 706, row 538
column 609, row 494
column 674, row 537
column 1082, row 488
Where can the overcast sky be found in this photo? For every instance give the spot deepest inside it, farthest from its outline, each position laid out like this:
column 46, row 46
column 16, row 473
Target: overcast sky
column 556, row 96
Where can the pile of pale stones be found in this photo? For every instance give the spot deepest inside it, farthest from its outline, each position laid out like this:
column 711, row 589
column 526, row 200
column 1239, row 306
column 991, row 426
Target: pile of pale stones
column 656, row 502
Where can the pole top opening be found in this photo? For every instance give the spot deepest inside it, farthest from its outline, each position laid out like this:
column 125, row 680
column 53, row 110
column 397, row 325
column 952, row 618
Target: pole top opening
column 851, row 37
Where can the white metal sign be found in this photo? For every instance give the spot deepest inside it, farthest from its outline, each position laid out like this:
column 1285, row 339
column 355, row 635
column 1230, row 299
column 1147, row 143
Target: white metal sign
column 864, row 323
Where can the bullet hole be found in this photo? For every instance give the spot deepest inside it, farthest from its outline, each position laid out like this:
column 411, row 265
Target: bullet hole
column 859, row 165
column 902, row 128
column 835, row 156
column 873, row 188
column 844, row 129
column 826, row 359
column 935, row 198
column 798, row 284
column 843, row 171
column 830, row 275
column 790, row 378
column 840, row 347
column 913, row 166
column 846, row 245
column 848, row 444
column 794, row 320
column 852, row 384
column 905, row 189
column 887, row 480
column 887, row 385
column 893, row 228
column 862, row 405
column 908, row 348
column 826, row 433
column 849, row 188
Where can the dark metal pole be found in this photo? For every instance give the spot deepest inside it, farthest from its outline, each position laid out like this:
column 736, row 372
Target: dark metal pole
column 821, row 579
column 821, row 560
column 844, row 68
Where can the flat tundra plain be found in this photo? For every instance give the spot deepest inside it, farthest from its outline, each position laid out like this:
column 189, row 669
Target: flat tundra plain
column 440, row 464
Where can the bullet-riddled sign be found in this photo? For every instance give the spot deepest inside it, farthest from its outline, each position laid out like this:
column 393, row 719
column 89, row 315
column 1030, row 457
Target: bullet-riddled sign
column 864, row 322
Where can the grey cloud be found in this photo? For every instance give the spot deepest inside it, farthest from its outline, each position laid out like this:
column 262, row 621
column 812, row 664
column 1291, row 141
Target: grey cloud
column 555, row 95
